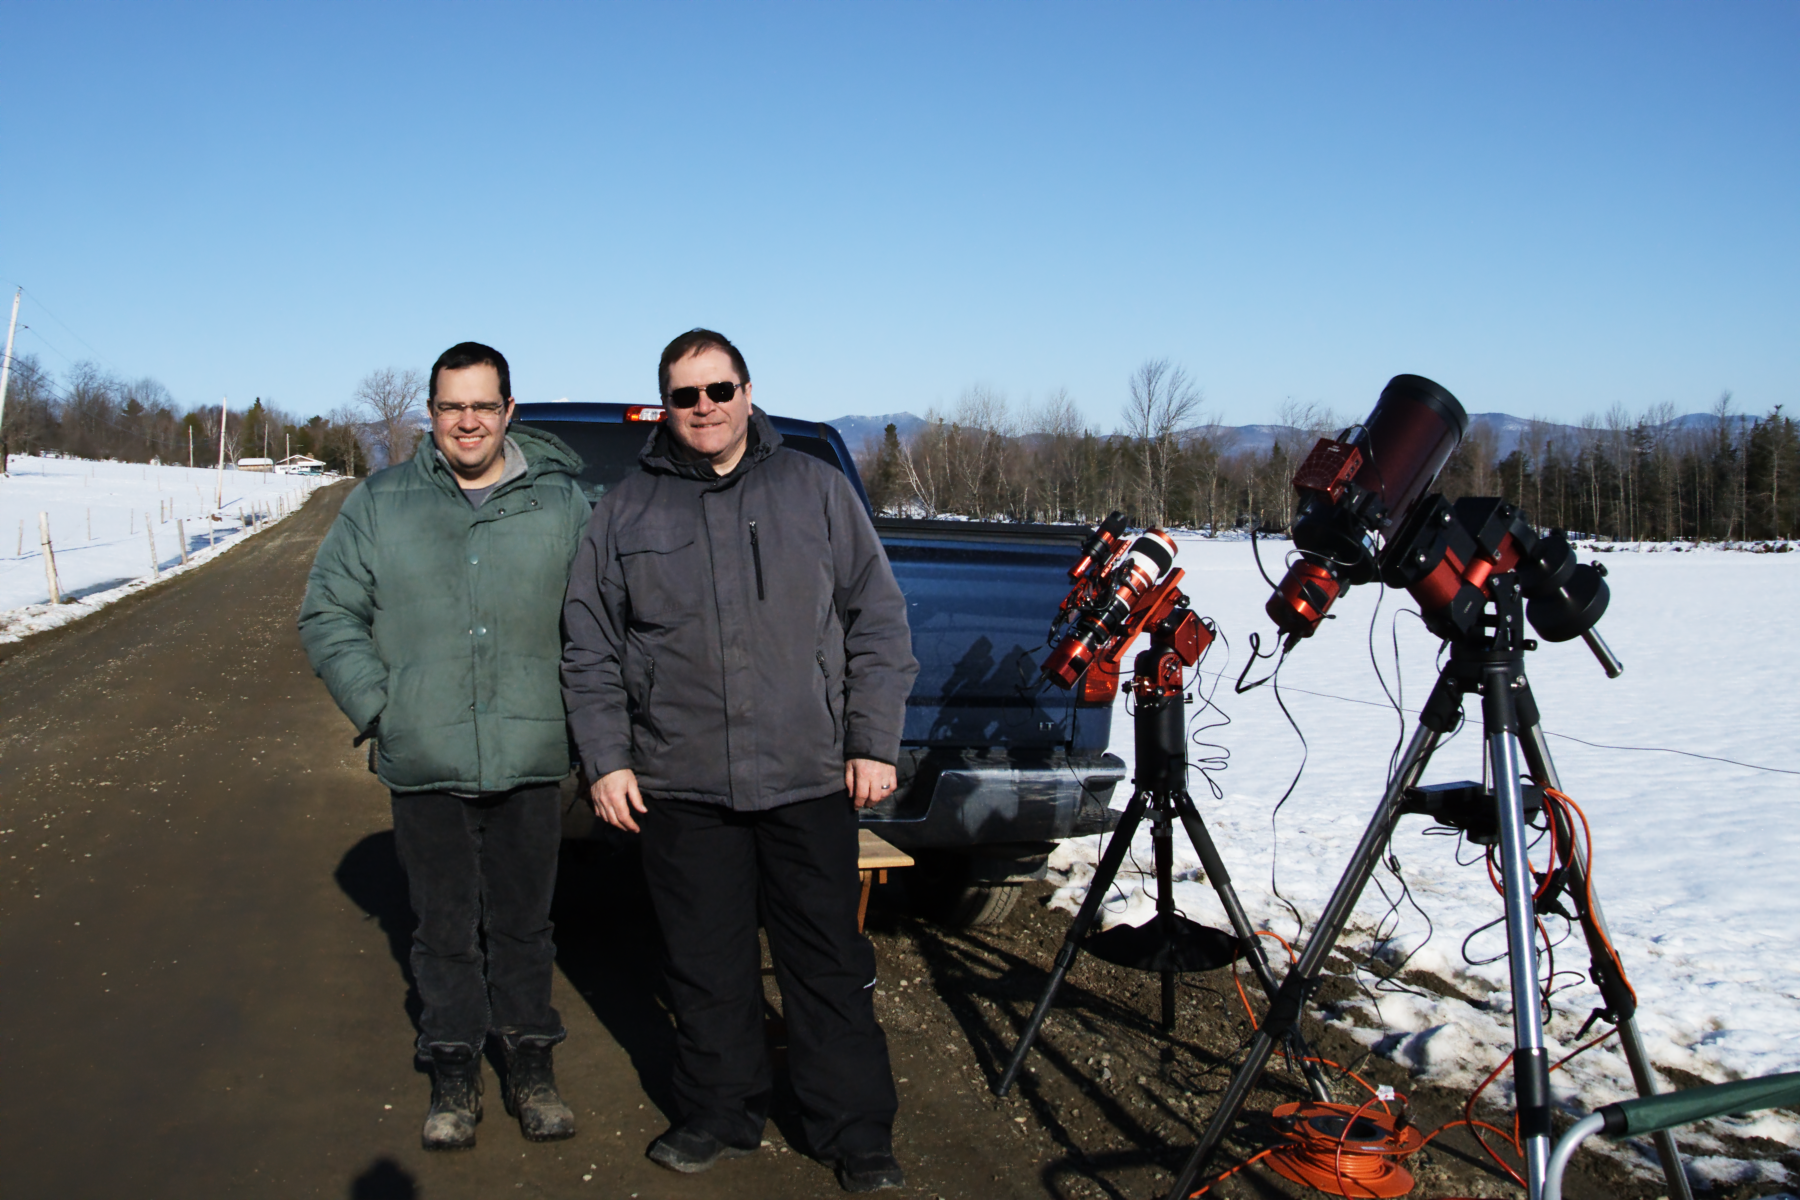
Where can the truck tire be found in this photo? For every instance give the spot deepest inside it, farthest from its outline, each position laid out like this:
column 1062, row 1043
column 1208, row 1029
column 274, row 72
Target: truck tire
column 942, row 889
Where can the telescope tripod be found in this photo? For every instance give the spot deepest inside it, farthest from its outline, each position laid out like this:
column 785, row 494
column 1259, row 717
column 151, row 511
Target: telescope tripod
column 1490, row 664
column 1169, row 944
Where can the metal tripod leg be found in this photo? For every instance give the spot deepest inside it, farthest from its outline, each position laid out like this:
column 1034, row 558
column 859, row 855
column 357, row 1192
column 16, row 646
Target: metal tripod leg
column 1220, row 879
column 1531, row 1065
column 1543, row 769
column 1302, row 979
column 1162, row 843
column 1084, row 919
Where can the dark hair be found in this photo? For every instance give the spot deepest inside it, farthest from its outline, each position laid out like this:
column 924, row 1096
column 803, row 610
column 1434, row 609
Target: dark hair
column 693, row 342
column 471, row 354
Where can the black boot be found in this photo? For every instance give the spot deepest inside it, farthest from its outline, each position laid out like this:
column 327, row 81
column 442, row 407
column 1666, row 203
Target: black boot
column 531, row 1094
column 870, row 1171
column 455, row 1099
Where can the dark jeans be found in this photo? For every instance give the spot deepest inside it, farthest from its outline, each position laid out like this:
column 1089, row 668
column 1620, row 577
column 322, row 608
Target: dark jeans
column 711, row 873
column 480, row 873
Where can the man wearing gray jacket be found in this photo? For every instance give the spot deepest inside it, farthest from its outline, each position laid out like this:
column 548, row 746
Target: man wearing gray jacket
column 736, row 670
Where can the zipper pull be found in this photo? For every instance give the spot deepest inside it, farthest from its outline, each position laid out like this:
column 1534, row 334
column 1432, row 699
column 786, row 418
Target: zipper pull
column 756, row 554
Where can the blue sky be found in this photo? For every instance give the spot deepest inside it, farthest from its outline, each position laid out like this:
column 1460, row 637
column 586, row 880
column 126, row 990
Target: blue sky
column 1548, row 208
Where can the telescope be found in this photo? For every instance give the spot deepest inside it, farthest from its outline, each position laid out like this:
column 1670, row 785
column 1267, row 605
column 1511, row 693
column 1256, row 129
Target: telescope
column 1483, row 577
column 1367, row 512
column 1123, row 588
column 1120, row 589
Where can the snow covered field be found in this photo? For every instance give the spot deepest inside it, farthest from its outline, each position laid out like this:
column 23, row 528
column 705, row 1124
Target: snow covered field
column 1694, row 859
column 98, row 512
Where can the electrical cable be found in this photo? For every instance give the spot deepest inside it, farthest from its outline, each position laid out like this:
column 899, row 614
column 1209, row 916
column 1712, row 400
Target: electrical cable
column 38, row 300
column 1257, row 555
column 1313, row 1154
column 1548, row 733
column 1274, row 679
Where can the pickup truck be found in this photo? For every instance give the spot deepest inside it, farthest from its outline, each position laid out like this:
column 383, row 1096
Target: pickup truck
column 995, row 766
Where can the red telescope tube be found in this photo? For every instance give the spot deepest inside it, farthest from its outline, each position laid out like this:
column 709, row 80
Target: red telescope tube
column 1359, row 485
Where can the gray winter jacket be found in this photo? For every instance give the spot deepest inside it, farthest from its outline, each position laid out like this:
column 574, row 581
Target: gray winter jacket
column 734, row 639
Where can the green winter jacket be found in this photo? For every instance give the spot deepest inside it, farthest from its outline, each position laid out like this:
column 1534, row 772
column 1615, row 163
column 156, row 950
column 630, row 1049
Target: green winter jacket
column 436, row 626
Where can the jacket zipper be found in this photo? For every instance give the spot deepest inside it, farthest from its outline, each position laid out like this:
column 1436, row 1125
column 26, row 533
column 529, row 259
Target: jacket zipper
column 825, row 675
column 756, row 553
column 649, row 686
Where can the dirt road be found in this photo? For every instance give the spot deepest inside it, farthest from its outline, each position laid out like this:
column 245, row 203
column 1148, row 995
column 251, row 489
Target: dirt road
column 203, row 931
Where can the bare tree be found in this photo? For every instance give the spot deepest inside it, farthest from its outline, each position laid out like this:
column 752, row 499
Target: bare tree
column 1163, row 402
column 348, row 437
column 392, row 400
column 1056, row 428
column 921, row 464
column 982, row 426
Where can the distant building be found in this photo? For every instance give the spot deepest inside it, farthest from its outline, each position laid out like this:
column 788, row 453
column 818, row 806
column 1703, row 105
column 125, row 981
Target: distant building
column 298, row 464
column 256, row 464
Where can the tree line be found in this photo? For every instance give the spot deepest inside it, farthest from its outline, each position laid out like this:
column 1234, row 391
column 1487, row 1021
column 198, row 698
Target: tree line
column 1622, row 476
column 92, row 413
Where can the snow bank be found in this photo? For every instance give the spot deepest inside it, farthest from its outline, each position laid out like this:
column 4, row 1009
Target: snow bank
column 98, row 513
column 1694, row 858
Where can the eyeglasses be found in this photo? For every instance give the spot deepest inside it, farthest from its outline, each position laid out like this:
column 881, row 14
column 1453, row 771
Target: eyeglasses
column 718, row 393
column 487, row 410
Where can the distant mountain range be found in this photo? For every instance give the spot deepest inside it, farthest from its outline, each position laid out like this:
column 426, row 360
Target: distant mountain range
column 1506, row 430
column 856, row 430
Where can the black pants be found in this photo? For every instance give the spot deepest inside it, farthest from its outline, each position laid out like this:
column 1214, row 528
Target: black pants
column 480, row 873
column 711, row 872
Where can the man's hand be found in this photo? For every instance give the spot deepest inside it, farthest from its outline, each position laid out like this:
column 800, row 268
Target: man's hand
column 867, row 781
column 616, row 793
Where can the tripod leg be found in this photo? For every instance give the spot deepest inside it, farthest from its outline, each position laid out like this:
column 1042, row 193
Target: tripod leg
column 1161, row 841
column 1302, row 978
column 1116, row 847
column 1616, row 994
column 1220, row 879
column 1531, row 1066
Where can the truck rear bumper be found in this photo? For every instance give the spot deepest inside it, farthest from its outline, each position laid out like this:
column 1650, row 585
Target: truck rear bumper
column 978, row 803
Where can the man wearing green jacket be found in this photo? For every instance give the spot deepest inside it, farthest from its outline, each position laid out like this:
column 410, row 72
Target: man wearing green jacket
column 432, row 614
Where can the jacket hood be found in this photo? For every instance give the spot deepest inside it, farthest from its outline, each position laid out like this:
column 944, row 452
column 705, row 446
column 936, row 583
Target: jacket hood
column 544, row 454
column 659, row 457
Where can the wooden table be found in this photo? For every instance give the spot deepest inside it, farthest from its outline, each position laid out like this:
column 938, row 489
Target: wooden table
column 875, row 857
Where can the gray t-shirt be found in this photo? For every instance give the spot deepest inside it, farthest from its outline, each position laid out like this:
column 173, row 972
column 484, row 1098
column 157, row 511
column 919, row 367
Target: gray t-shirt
column 478, row 496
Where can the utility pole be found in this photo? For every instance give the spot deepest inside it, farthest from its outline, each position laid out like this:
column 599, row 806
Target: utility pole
column 219, row 496
column 190, row 447
column 6, row 367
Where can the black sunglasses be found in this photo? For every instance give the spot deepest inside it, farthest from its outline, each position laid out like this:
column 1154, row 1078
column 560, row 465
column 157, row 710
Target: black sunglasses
column 718, row 393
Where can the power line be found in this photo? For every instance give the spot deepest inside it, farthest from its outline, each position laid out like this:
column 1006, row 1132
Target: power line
column 38, row 300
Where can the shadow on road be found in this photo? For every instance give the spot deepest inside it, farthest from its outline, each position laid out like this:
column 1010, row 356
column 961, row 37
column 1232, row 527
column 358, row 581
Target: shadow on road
column 608, row 946
column 370, row 874
column 384, row 1180
column 609, row 949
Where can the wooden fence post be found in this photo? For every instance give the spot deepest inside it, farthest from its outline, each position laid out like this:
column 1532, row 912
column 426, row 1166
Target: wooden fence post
column 181, row 532
column 150, row 532
column 49, row 557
